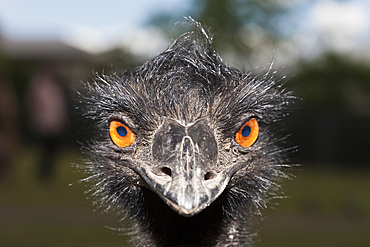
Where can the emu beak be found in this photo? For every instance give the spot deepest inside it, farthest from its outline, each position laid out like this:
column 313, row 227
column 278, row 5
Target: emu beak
column 182, row 176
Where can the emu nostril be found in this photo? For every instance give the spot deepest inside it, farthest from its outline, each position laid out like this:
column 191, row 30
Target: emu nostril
column 166, row 171
column 208, row 175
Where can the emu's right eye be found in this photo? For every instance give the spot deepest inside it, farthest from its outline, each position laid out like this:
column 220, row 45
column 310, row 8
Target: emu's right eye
column 248, row 133
column 120, row 134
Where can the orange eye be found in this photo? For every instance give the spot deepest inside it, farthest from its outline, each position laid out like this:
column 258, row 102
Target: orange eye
column 247, row 134
column 121, row 135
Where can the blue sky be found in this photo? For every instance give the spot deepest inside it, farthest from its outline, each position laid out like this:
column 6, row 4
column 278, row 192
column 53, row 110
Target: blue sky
column 315, row 25
column 27, row 19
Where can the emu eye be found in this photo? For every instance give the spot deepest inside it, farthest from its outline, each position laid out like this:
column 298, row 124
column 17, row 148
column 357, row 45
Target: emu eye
column 247, row 134
column 120, row 134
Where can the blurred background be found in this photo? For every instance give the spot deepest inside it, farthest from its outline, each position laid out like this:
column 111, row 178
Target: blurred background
column 321, row 49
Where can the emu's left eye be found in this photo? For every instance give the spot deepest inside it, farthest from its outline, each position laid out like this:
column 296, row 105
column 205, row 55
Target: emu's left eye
column 248, row 133
column 120, row 134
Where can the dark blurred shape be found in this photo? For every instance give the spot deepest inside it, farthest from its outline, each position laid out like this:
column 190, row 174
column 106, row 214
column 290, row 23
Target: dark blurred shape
column 55, row 71
column 334, row 118
column 41, row 50
column 9, row 131
column 48, row 116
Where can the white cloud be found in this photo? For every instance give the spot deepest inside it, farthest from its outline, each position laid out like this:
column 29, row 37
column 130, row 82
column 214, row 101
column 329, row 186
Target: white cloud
column 88, row 39
column 140, row 41
column 340, row 25
column 145, row 42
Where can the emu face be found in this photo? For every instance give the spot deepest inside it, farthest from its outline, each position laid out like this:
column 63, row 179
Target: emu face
column 183, row 156
column 188, row 128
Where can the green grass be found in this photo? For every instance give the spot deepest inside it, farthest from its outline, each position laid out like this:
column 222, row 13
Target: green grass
column 53, row 213
column 327, row 207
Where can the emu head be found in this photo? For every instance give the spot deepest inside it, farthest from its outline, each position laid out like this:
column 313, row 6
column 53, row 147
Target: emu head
column 187, row 127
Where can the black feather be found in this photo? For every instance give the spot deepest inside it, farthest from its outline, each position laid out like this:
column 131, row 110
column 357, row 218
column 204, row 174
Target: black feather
column 188, row 82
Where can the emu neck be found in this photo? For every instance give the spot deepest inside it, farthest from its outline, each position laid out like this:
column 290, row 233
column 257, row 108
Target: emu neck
column 165, row 228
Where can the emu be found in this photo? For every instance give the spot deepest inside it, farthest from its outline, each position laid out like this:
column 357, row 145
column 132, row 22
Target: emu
column 186, row 145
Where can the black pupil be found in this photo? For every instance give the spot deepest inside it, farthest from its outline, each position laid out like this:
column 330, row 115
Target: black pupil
column 246, row 131
column 121, row 131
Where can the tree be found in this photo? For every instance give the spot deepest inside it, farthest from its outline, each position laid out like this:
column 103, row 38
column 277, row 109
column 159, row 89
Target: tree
column 235, row 22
